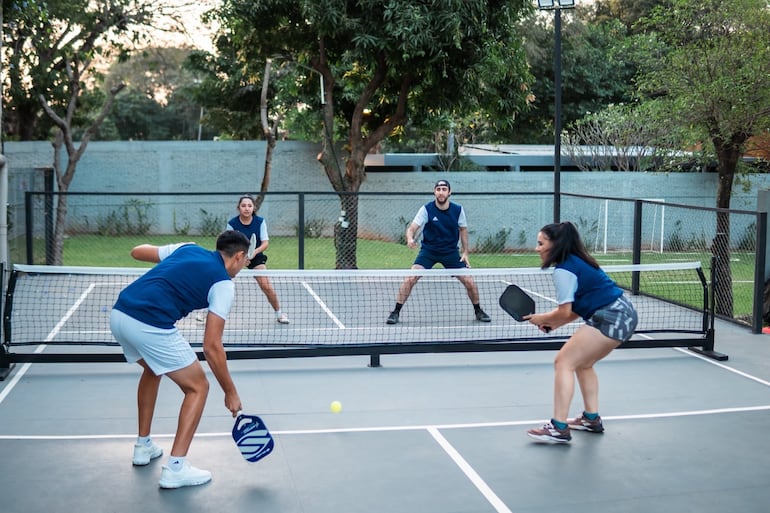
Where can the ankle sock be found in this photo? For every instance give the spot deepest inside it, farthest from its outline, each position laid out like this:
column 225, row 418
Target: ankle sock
column 591, row 416
column 144, row 440
column 176, row 463
column 558, row 425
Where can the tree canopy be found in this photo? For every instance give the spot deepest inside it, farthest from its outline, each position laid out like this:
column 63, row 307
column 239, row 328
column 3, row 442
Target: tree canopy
column 382, row 63
column 708, row 70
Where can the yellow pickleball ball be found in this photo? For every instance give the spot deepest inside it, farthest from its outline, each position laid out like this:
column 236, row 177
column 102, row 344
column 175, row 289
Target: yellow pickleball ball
column 335, row 406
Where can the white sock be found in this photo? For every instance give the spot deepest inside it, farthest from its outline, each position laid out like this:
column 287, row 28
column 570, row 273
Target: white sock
column 277, row 314
column 144, row 440
column 176, row 463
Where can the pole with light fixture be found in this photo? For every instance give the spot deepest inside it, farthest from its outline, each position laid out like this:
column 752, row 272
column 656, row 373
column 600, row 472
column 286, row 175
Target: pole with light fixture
column 556, row 6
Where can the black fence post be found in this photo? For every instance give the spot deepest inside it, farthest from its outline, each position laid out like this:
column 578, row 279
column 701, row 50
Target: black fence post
column 301, row 231
column 759, row 273
column 29, row 227
column 636, row 256
column 48, row 209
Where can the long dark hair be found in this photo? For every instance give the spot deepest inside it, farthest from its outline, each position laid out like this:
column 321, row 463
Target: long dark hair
column 565, row 241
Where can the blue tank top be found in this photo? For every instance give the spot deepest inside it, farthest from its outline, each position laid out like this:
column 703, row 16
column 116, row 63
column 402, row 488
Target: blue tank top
column 248, row 229
column 441, row 232
column 175, row 287
column 594, row 288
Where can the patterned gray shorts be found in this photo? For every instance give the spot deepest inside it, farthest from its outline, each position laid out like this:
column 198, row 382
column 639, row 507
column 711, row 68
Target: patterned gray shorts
column 616, row 320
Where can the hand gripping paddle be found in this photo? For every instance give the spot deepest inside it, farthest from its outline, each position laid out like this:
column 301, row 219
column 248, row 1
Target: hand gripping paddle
column 518, row 304
column 252, row 246
column 252, row 437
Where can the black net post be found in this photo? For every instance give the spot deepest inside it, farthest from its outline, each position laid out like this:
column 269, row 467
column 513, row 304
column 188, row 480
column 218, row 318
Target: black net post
column 6, row 365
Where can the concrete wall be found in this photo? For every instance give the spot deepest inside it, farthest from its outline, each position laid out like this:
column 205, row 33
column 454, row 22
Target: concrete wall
column 236, row 166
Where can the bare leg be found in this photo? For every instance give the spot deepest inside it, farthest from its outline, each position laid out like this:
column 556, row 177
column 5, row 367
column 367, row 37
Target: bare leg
column 405, row 290
column 471, row 287
column 195, row 386
column 269, row 291
column 589, row 388
column 583, row 349
column 146, row 397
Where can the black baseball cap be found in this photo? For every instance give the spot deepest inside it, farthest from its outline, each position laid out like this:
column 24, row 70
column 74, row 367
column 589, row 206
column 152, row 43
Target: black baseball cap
column 442, row 183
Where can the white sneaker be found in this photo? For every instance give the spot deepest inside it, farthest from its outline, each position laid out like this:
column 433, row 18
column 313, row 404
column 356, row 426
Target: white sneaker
column 144, row 453
column 283, row 319
column 187, row 476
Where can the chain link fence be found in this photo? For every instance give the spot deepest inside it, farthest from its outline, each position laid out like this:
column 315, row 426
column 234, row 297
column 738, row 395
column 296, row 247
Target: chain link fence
column 322, row 230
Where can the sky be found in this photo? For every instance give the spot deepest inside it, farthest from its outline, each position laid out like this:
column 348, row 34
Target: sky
column 196, row 35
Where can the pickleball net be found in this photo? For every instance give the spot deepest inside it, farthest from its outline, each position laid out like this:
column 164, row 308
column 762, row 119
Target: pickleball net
column 344, row 311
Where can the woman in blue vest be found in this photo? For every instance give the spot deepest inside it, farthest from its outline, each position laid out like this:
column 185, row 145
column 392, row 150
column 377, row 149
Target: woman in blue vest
column 584, row 291
column 247, row 223
column 443, row 225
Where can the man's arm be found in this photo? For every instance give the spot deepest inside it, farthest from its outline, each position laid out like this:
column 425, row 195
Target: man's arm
column 217, row 360
column 146, row 253
column 464, row 245
column 411, row 230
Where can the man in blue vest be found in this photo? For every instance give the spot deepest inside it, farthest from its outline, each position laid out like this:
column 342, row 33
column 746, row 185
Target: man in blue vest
column 187, row 277
column 443, row 225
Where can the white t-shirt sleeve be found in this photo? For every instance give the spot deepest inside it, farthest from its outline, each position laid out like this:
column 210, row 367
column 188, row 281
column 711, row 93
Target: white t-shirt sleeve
column 566, row 285
column 421, row 217
column 263, row 231
column 461, row 221
column 221, row 296
column 165, row 251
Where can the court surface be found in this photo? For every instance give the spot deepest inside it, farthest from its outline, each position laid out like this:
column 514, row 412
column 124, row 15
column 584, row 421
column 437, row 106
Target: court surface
column 421, row 434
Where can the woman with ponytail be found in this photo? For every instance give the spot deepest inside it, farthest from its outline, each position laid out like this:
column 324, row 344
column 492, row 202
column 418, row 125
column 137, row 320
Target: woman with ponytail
column 584, row 291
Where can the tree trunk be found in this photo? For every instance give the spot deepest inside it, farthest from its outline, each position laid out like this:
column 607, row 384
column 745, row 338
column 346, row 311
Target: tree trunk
column 270, row 138
column 722, row 288
column 346, row 233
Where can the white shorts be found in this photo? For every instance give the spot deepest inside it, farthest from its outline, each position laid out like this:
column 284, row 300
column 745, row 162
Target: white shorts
column 163, row 350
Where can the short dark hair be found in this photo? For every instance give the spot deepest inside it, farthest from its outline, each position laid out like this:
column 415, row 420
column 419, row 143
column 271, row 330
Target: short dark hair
column 231, row 242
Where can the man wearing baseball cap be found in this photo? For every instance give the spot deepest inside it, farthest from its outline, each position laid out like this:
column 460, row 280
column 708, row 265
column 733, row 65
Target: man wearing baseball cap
column 443, row 225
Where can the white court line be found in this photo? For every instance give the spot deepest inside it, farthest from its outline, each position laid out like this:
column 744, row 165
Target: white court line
column 723, row 366
column 39, row 349
column 323, row 305
column 471, row 474
column 716, row 364
column 384, row 429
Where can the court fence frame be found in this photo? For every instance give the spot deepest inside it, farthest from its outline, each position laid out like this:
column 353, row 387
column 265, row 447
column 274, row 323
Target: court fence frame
column 647, row 229
column 630, row 224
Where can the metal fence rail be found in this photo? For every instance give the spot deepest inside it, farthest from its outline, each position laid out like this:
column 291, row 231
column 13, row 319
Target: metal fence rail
column 620, row 230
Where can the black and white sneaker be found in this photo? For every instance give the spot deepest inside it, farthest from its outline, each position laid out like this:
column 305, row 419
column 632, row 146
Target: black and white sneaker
column 584, row 424
column 550, row 433
column 392, row 318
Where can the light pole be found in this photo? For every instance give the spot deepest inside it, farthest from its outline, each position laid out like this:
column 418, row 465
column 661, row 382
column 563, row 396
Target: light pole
column 556, row 6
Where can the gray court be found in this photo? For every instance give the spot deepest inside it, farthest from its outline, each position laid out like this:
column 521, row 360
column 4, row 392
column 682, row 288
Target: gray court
column 423, row 433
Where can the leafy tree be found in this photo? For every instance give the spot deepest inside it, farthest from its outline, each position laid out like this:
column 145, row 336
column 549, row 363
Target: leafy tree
column 158, row 104
column 627, row 13
column 382, row 62
column 707, row 69
column 51, row 62
column 595, row 72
